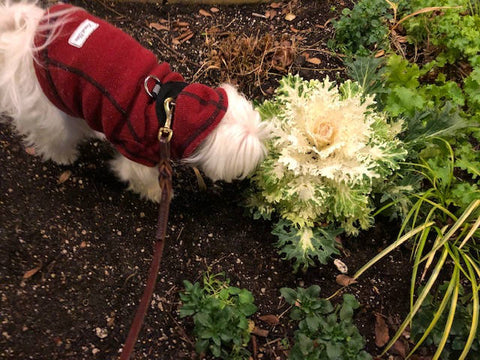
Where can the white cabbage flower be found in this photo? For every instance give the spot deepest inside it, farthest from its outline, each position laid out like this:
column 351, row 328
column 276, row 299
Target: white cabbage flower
column 329, row 150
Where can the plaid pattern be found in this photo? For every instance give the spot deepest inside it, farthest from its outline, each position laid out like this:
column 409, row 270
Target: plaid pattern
column 102, row 83
column 198, row 110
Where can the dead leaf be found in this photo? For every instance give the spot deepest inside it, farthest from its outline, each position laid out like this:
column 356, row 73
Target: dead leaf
column 380, row 53
column 345, row 280
column 260, row 332
column 204, row 13
column 283, row 55
column 28, row 274
column 158, row 26
column 214, row 10
column 340, row 265
column 381, row 331
column 270, row 319
column 64, row 177
column 270, row 14
column 400, row 348
column 270, row 90
column 315, row 61
column 338, row 241
column 201, row 183
column 290, row 17
column 30, row 150
column 276, row 5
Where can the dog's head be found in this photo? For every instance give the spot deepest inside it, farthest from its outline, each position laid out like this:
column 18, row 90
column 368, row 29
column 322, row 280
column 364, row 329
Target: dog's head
column 232, row 133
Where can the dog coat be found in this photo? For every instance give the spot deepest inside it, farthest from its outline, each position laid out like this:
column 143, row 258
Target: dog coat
column 91, row 70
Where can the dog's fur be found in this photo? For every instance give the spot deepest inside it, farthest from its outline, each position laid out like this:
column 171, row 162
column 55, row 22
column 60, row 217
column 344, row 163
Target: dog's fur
column 231, row 151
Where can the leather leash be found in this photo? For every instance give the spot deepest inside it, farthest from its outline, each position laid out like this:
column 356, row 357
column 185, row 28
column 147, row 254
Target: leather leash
column 165, row 182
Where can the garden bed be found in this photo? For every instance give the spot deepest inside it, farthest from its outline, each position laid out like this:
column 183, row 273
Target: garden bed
column 76, row 246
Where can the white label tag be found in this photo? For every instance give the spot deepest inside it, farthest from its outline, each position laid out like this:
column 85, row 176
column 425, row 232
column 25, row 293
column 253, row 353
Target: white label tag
column 82, row 33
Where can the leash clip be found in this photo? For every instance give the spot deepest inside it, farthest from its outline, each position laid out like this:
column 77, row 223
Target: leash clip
column 165, row 132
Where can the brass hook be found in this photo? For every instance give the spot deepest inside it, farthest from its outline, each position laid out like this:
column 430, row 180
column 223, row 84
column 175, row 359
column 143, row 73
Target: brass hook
column 166, row 131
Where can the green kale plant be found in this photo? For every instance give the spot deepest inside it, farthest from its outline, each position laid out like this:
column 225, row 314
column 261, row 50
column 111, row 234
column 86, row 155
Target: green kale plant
column 324, row 331
column 220, row 315
column 329, row 153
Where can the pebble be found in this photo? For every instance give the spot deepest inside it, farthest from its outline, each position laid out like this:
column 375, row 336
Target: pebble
column 101, row 333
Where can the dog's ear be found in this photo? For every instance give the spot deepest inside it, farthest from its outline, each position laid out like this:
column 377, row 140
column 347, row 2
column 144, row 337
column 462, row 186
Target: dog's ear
column 236, row 146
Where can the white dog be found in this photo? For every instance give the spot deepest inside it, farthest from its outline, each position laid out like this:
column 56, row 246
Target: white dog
column 66, row 75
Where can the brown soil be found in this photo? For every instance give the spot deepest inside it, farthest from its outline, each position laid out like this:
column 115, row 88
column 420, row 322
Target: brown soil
column 84, row 243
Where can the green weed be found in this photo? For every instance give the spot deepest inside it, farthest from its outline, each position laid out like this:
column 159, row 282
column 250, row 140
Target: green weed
column 324, row 331
column 220, row 314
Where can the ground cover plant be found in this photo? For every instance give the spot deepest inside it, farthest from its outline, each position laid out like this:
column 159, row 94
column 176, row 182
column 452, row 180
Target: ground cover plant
column 221, row 316
column 324, row 331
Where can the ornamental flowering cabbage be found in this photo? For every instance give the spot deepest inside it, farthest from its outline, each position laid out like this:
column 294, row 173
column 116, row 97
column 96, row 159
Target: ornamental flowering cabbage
column 329, row 152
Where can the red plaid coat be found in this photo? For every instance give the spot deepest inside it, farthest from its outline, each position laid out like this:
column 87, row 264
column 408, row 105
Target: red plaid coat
column 94, row 71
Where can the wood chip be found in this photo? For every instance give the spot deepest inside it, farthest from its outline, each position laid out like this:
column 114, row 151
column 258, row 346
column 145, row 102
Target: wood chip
column 214, row 10
column 380, row 53
column 276, row 5
column 260, row 332
column 158, row 26
column 290, row 17
column 270, row 14
column 64, row 177
column 28, row 274
column 270, row 319
column 205, row 13
column 259, row 15
column 314, row 61
column 187, row 35
column 30, row 150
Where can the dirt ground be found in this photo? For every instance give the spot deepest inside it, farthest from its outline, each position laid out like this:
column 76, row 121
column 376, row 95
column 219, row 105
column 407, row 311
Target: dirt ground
column 75, row 246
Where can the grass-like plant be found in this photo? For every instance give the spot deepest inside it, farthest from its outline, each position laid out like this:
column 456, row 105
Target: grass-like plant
column 329, row 152
column 460, row 328
column 443, row 225
column 324, row 331
column 221, row 316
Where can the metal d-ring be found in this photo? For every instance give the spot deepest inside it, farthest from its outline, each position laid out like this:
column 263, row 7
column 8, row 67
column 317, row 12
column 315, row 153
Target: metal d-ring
column 145, row 84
